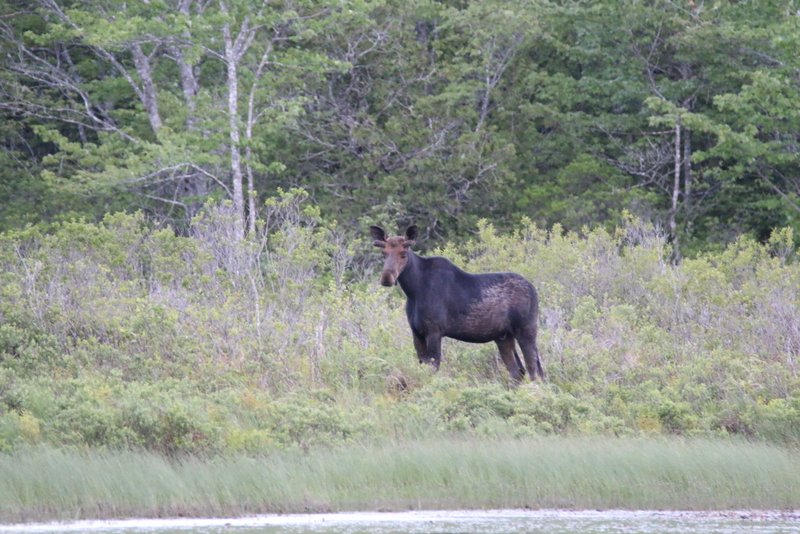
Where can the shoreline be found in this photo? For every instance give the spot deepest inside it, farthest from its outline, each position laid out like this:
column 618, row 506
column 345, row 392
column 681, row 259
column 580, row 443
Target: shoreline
column 368, row 518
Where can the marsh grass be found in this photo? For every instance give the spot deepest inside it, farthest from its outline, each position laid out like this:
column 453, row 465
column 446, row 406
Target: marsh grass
column 453, row 473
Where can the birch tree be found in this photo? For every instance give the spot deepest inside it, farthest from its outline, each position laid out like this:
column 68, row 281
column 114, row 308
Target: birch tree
column 81, row 64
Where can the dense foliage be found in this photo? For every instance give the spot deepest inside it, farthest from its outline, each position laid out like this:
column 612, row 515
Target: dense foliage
column 160, row 289
column 440, row 112
column 124, row 334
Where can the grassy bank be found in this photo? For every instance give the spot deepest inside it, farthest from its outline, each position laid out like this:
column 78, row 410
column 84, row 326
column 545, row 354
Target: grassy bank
column 46, row 483
column 266, row 365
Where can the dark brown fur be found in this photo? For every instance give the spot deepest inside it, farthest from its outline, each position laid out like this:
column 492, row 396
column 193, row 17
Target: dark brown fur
column 444, row 301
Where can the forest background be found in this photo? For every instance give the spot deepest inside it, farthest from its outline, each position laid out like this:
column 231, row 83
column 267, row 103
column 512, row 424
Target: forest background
column 185, row 187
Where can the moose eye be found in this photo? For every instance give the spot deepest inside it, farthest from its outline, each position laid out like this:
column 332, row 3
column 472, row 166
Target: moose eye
column 403, row 255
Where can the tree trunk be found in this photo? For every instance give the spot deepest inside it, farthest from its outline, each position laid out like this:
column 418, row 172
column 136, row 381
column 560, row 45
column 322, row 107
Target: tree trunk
column 195, row 185
column 248, row 133
column 232, row 60
column 149, row 96
column 676, row 189
column 687, row 170
column 189, row 83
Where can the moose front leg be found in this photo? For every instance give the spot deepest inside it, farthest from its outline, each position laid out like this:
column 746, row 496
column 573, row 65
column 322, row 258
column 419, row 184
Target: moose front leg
column 420, row 346
column 433, row 343
column 429, row 348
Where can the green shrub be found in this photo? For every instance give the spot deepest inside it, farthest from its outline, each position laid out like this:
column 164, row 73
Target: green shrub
column 778, row 420
column 465, row 408
column 303, row 422
column 120, row 334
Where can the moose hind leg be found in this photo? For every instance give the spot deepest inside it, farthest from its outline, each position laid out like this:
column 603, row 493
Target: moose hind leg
column 510, row 359
column 527, row 342
column 519, row 362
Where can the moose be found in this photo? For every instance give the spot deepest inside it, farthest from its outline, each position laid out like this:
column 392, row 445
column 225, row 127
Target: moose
column 445, row 301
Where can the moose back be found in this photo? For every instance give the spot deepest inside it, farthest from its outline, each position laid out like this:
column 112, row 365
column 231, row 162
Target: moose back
column 445, row 301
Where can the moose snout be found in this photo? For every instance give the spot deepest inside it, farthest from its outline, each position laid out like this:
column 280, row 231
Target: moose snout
column 388, row 279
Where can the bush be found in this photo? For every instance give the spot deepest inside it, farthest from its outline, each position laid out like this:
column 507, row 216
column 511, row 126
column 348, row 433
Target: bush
column 123, row 334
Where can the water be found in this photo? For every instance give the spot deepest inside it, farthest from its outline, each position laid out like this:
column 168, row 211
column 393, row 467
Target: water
column 496, row 521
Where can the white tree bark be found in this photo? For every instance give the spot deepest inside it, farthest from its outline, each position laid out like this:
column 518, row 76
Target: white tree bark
column 149, row 95
column 676, row 190
column 252, row 119
column 189, row 83
column 233, row 124
column 234, row 50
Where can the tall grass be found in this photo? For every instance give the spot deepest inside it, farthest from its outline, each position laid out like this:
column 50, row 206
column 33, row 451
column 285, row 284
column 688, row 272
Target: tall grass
column 455, row 473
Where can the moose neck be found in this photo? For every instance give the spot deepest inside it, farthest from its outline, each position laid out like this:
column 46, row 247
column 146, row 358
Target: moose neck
column 410, row 279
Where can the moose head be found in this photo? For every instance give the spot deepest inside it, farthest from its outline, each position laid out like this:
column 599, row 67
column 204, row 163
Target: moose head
column 395, row 252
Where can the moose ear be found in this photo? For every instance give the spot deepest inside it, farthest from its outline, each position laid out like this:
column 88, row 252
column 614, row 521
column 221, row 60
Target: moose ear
column 377, row 233
column 412, row 232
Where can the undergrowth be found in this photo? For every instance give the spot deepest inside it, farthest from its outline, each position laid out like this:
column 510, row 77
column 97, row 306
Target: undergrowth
column 123, row 334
